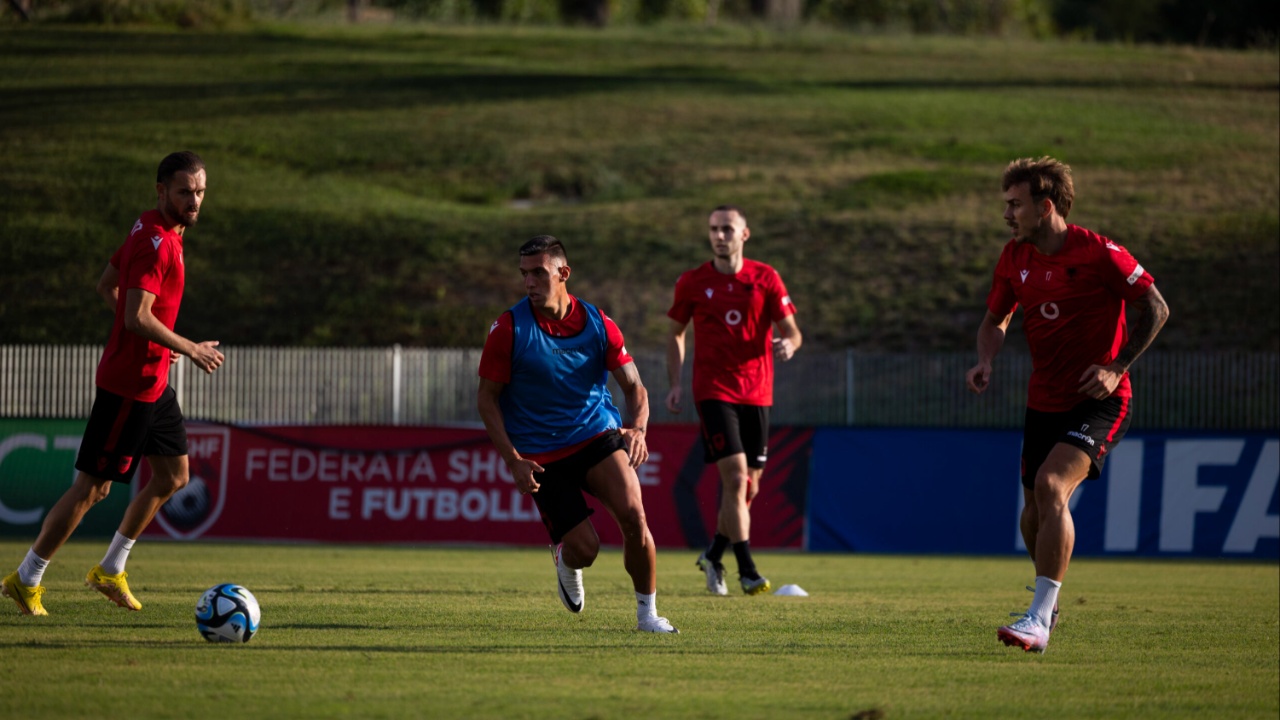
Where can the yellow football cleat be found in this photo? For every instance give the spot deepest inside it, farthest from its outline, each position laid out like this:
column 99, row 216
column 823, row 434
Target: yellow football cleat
column 755, row 586
column 27, row 598
column 115, row 587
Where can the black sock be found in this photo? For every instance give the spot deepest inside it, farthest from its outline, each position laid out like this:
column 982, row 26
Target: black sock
column 746, row 566
column 718, row 544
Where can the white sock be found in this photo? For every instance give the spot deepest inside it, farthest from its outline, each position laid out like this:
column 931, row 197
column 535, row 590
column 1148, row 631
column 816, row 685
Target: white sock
column 1046, row 597
column 646, row 605
column 31, row 571
column 117, row 555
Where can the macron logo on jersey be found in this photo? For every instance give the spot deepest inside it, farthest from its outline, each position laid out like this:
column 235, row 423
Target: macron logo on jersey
column 1113, row 246
column 709, row 292
column 155, row 242
column 1024, row 274
column 1133, row 276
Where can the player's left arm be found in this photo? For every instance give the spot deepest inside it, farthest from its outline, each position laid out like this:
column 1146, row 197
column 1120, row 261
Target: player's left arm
column 788, row 340
column 637, row 399
column 1099, row 381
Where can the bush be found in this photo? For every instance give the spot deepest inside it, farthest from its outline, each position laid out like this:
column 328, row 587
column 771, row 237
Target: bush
column 957, row 17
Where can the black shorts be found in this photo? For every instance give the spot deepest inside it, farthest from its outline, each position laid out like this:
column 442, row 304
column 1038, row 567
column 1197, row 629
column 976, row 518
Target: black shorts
column 121, row 431
column 1094, row 426
column 562, row 482
column 729, row 429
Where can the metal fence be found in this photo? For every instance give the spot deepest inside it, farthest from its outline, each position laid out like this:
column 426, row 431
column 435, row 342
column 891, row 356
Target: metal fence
column 421, row 386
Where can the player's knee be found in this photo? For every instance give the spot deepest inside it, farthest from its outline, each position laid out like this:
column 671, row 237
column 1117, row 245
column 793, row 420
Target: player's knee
column 631, row 521
column 99, row 492
column 170, row 483
column 1052, row 490
column 737, row 484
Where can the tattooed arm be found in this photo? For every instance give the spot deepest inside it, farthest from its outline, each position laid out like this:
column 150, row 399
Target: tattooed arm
column 1099, row 381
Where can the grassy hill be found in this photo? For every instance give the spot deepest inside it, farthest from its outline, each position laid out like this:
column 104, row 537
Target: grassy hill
column 371, row 185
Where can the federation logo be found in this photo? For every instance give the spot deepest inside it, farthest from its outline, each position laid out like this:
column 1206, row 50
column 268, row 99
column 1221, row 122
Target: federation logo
column 195, row 508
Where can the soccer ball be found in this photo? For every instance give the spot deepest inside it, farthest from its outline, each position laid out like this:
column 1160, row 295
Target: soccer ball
column 227, row 613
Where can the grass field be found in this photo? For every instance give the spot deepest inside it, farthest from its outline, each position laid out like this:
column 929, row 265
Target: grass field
column 478, row 633
column 370, row 185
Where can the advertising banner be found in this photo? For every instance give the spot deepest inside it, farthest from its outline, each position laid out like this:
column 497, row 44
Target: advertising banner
column 951, row 491
column 37, row 465
column 442, row 485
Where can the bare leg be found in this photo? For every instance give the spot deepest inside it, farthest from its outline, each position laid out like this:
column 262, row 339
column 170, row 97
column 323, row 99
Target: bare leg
column 615, row 484
column 734, row 520
column 580, row 546
column 66, row 514
column 1029, row 523
column 1062, row 472
column 168, row 476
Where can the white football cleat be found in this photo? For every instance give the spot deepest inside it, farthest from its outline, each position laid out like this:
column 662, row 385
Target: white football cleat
column 569, row 582
column 715, row 575
column 1027, row 633
column 655, row 624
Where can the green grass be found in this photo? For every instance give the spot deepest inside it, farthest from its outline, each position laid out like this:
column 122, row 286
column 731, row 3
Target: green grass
column 476, row 633
column 370, row 185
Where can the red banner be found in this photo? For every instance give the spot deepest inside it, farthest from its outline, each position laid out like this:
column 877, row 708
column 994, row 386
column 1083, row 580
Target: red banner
column 444, row 485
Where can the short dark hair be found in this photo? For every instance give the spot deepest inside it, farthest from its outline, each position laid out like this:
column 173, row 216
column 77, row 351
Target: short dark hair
column 544, row 244
column 731, row 208
column 174, row 163
column 1047, row 178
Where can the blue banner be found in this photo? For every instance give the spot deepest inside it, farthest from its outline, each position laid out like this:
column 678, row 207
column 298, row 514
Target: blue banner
column 956, row 491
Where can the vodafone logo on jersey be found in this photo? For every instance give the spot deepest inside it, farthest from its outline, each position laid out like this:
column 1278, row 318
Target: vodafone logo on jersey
column 733, row 317
column 1050, row 311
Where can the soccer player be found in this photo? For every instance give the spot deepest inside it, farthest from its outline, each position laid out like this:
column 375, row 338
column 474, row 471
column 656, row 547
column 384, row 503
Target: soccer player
column 135, row 412
column 1072, row 285
column 734, row 304
column 544, row 399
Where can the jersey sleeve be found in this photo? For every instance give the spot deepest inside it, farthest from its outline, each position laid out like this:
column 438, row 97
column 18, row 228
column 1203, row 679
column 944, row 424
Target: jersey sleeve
column 1000, row 300
column 615, row 355
column 495, row 359
column 780, row 305
column 152, row 258
column 681, row 308
column 1122, row 273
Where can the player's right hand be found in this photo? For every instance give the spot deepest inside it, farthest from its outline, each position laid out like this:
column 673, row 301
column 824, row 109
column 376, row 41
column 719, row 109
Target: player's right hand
column 206, row 356
column 522, row 471
column 673, row 400
column 978, row 378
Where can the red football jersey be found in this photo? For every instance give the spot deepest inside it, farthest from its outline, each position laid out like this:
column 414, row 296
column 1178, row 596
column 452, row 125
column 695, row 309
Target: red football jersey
column 733, row 318
column 495, row 360
column 151, row 260
column 1073, row 310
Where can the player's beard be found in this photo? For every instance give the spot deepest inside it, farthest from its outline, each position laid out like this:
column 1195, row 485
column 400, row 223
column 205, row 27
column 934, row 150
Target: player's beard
column 179, row 214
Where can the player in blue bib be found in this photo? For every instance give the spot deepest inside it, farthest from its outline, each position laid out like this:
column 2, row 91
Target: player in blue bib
column 544, row 398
